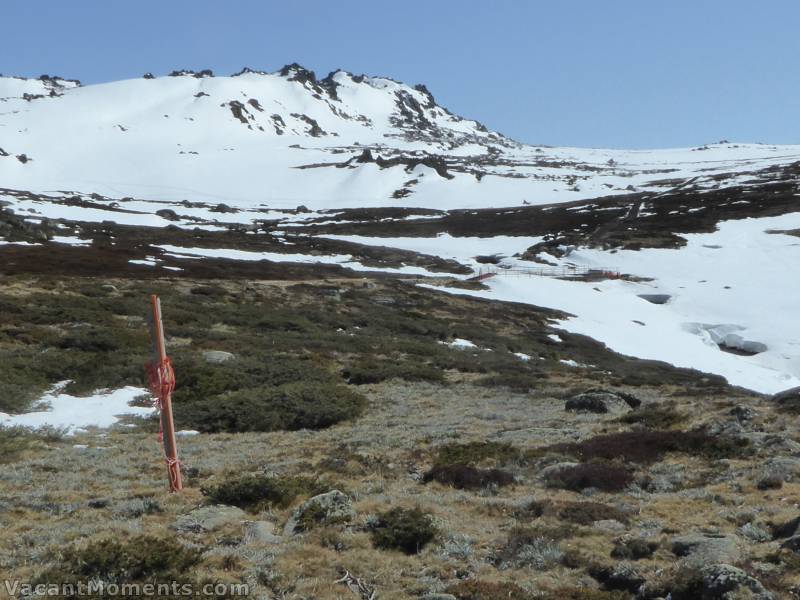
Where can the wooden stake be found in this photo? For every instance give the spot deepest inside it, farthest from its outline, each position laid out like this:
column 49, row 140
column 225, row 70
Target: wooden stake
column 162, row 383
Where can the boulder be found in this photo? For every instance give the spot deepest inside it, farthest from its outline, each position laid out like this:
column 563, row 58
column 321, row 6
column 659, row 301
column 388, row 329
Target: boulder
column 331, row 508
column 754, row 533
column 217, row 356
column 725, row 582
column 209, row 518
column 656, row 298
column 602, row 401
column 703, row 549
column 742, row 413
column 168, row 214
column 622, row 576
column 785, row 467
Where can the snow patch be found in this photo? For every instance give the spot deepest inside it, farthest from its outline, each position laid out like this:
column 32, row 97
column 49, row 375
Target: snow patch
column 75, row 414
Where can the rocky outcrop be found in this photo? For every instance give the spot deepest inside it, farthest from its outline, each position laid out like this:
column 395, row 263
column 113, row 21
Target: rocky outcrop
column 437, row 163
column 703, row 549
column 725, row 582
column 602, row 401
column 209, row 518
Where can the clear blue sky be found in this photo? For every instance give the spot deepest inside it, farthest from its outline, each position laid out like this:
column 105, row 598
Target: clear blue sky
column 618, row 73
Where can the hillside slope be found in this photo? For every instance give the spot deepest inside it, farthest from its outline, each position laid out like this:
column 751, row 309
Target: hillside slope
column 192, row 175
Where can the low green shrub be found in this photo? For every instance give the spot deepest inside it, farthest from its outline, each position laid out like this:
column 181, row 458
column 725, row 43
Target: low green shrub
column 290, row 406
column 476, row 453
column 769, row 482
column 370, row 370
column 14, row 441
column 605, row 477
column 654, row 416
column 517, row 382
column 633, row 549
column 92, row 339
column 140, row 559
column 464, row 477
column 254, row 492
column 198, row 380
column 407, row 530
column 650, row 446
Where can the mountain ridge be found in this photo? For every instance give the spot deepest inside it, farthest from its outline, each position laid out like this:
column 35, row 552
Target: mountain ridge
column 260, row 138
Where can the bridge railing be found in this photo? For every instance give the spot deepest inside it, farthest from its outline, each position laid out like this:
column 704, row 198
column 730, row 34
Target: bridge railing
column 564, row 272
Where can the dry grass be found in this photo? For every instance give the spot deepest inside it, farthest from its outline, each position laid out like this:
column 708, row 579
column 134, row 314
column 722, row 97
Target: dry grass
column 54, row 495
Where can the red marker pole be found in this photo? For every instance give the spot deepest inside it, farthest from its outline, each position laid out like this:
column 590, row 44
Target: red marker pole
column 162, row 384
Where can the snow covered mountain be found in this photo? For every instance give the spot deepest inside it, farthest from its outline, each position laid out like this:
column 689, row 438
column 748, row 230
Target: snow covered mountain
column 148, row 176
column 287, row 138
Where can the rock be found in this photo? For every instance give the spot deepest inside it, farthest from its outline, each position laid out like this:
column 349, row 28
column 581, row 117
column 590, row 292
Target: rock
column 223, row 208
column 217, row 356
column 168, row 214
column 656, row 298
column 209, row 518
column 742, row 413
column 325, row 509
column 754, row 533
column 602, row 401
column 776, row 444
column 260, row 532
column 784, row 467
column 724, row 582
column 586, row 403
column 622, row 576
column 703, row 549
column 108, row 287
column 436, row 596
